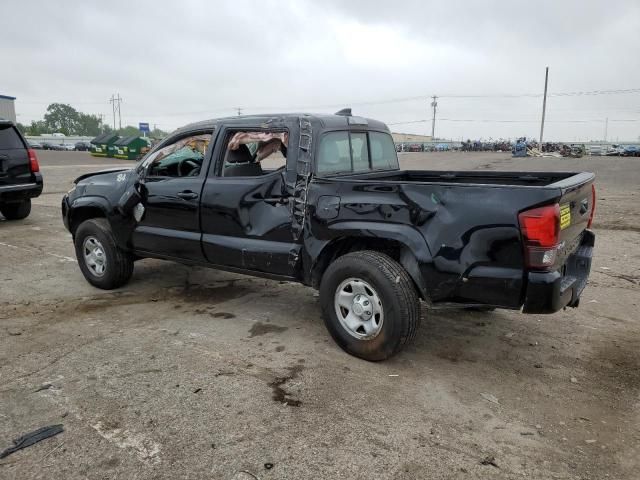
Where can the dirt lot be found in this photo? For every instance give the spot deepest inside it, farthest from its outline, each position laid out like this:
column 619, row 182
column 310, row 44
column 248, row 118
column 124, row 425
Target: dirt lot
column 193, row 373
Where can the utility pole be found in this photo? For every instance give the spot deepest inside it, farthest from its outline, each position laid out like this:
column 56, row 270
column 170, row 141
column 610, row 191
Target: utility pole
column 544, row 104
column 115, row 104
column 434, row 104
column 239, row 111
column 606, row 127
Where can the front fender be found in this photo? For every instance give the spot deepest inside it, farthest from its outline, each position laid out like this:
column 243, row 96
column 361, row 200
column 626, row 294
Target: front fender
column 83, row 208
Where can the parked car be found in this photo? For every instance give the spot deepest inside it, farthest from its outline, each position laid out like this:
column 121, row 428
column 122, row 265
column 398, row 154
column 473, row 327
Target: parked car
column 416, row 147
column 34, row 145
column 51, row 146
column 82, row 146
column 630, row 151
column 340, row 216
column 69, row 147
column 615, row 150
column 20, row 177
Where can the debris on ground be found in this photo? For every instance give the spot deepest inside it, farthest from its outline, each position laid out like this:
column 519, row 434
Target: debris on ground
column 32, row 438
column 489, row 460
column 574, row 380
column 244, row 474
column 44, row 386
column 268, row 465
column 490, row 398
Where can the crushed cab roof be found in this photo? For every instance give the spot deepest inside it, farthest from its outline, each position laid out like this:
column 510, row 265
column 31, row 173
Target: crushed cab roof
column 327, row 121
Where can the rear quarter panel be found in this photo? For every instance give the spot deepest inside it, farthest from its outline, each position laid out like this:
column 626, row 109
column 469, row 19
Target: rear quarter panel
column 466, row 238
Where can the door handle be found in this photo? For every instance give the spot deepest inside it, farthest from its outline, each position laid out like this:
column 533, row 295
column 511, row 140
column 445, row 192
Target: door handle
column 187, row 195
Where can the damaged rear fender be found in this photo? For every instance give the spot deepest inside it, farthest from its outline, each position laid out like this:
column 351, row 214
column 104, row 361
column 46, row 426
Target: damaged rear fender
column 404, row 242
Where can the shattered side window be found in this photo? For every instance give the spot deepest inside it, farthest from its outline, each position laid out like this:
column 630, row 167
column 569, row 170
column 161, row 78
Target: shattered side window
column 255, row 153
column 183, row 158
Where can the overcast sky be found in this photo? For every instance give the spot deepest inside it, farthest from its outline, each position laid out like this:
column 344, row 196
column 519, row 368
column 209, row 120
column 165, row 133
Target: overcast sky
column 173, row 64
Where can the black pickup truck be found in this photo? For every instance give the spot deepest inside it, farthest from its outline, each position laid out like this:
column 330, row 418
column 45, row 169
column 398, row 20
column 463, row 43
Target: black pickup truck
column 320, row 199
column 20, row 177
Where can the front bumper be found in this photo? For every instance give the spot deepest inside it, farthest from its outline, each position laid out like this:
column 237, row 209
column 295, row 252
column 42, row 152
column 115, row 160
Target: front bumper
column 548, row 292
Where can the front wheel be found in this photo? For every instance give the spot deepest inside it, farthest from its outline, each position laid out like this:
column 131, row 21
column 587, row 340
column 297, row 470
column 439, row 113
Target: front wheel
column 17, row 210
column 101, row 261
column 370, row 305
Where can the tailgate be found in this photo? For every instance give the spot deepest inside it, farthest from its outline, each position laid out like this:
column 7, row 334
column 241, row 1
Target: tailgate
column 14, row 159
column 577, row 203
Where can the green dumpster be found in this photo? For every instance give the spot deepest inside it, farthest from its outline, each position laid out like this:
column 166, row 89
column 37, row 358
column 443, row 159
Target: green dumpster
column 102, row 145
column 131, row 148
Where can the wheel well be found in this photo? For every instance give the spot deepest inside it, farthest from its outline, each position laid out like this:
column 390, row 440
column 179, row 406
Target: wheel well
column 84, row 213
column 396, row 250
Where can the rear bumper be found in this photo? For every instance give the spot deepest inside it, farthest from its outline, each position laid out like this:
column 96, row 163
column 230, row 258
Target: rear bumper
column 19, row 192
column 548, row 292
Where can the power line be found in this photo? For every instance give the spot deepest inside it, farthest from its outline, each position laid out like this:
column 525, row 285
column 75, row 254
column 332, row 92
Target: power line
column 115, row 104
column 627, row 91
column 434, row 104
column 486, row 120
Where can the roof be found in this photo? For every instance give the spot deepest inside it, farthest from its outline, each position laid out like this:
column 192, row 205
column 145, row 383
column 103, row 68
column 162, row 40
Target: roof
column 327, row 121
column 105, row 138
column 7, row 97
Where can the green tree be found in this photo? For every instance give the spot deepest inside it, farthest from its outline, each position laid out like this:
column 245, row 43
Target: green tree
column 21, row 128
column 37, row 127
column 158, row 134
column 62, row 118
column 89, row 125
column 129, row 131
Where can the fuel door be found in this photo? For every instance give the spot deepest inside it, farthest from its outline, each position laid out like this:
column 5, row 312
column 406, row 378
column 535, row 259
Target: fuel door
column 328, row 207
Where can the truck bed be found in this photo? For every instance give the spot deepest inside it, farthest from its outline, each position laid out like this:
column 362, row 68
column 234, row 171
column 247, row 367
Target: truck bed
column 530, row 179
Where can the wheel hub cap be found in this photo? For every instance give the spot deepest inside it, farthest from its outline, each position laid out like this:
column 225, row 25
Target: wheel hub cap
column 359, row 308
column 94, row 256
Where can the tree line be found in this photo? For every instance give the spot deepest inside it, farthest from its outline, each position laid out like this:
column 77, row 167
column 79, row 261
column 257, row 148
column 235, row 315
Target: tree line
column 63, row 118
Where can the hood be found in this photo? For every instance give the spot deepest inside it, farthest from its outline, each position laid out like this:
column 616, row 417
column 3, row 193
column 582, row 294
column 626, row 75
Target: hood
column 102, row 172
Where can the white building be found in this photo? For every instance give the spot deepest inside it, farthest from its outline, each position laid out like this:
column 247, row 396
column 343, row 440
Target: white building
column 8, row 107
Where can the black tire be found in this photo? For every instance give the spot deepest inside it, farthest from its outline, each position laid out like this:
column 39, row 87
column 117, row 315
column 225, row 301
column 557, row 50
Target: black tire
column 17, row 210
column 118, row 264
column 395, row 289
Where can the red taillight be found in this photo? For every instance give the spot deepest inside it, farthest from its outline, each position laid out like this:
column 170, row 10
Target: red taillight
column 540, row 229
column 593, row 205
column 33, row 161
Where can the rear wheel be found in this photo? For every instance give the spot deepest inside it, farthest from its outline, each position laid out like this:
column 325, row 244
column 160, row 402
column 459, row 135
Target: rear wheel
column 17, row 210
column 370, row 305
column 101, row 261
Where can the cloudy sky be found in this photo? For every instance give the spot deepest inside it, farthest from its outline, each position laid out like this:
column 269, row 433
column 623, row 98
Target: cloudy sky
column 173, row 64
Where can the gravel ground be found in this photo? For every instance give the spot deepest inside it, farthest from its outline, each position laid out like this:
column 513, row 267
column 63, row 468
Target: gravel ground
column 194, row 373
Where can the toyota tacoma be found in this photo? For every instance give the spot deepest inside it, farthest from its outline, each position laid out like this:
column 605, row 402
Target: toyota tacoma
column 321, row 200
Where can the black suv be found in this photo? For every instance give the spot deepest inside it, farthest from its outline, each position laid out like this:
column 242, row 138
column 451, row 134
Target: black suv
column 20, row 178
